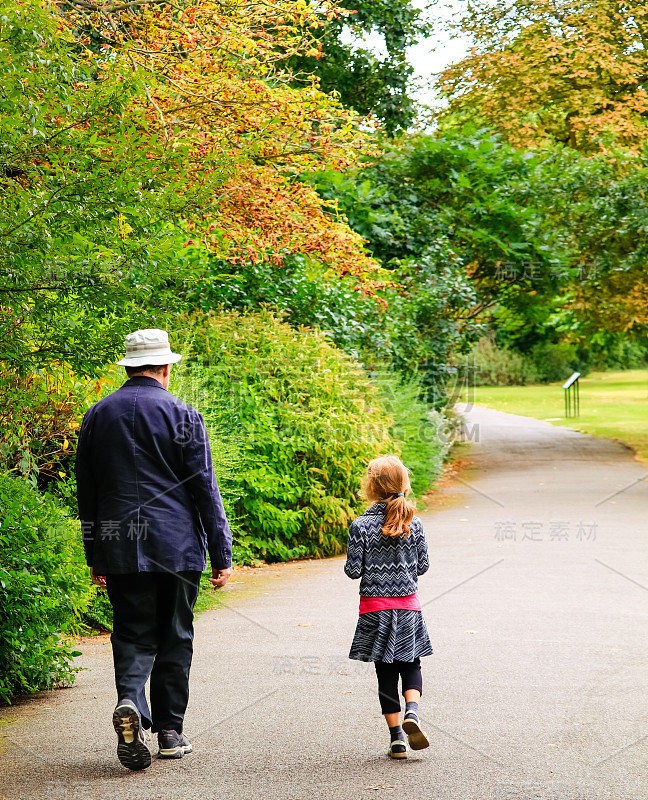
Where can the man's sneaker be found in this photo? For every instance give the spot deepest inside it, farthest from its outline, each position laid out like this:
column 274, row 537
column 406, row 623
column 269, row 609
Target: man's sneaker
column 132, row 751
column 173, row 744
column 416, row 738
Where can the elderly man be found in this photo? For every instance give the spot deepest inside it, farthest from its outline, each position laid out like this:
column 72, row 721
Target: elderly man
column 150, row 511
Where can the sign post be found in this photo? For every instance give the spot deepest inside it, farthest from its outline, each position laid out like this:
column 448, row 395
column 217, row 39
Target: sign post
column 572, row 396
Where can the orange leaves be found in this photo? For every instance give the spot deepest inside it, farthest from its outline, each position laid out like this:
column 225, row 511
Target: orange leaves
column 214, row 79
column 618, row 303
column 266, row 218
column 228, row 81
column 566, row 73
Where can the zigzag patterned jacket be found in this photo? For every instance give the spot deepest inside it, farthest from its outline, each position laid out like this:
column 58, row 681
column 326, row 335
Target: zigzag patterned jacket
column 387, row 565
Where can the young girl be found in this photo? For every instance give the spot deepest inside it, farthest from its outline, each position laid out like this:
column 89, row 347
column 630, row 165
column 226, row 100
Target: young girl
column 387, row 551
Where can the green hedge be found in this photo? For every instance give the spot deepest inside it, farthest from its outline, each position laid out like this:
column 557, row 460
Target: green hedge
column 417, row 430
column 306, row 420
column 188, row 383
column 44, row 587
column 489, row 365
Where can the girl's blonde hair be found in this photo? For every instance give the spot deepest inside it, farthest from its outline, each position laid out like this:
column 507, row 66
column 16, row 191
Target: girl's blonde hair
column 386, row 478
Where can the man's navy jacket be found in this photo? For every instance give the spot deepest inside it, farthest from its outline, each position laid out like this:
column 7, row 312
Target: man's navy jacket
column 148, row 497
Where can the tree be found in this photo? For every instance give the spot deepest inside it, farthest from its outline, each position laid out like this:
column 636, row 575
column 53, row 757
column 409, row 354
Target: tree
column 214, row 78
column 544, row 246
column 598, row 203
column 85, row 209
column 370, row 84
column 567, row 71
column 452, row 217
column 468, row 188
column 130, row 131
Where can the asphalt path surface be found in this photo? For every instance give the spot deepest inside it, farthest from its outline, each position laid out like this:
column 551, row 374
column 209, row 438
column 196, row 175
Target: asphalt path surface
column 536, row 602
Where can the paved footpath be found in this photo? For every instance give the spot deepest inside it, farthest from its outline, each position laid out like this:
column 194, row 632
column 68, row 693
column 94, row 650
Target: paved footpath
column 536, row 601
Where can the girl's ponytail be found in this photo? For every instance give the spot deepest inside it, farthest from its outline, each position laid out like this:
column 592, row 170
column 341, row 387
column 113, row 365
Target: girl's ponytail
column 387, row 481
column 398, row 515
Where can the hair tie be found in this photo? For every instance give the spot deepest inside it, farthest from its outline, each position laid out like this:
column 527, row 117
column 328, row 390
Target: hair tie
column 401, row 494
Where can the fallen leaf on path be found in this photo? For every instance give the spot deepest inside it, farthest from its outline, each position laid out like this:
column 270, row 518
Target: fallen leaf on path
column 470, row 631
column 304, row 624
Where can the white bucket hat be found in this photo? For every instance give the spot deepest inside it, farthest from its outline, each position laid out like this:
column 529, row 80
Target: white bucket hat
column 149, row 346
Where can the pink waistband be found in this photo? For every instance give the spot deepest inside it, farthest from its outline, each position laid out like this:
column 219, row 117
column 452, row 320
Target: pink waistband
column 410, row 602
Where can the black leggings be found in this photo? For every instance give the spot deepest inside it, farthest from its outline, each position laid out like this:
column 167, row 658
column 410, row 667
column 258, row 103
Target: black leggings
column 410, row 674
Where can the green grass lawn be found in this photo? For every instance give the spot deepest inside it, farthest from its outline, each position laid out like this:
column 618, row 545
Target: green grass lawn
column 612, row 404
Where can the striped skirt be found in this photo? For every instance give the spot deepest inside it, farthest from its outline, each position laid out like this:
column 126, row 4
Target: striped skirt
column 390, row 635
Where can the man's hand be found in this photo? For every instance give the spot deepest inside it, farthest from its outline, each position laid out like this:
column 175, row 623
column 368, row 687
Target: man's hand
column 219, row 577
column 98, row 580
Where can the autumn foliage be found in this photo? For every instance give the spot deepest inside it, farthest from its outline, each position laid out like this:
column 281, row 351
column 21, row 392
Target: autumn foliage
column 213, row 77
column 568, row 71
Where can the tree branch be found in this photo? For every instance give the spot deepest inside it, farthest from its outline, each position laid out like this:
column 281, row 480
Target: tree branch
column 104, row 9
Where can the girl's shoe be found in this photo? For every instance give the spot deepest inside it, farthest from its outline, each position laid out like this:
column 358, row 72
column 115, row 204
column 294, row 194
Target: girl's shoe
column 417, row 739
column 397, row 749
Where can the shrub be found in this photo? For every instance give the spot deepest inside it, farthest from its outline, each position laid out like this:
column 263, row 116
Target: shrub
column 39, row 419
column 490, row 365
column 189, row 380
column 44, row 585
column 415, row 428
column 614, row 350
column 556, row 361
column 307, row 420
column 97, row 615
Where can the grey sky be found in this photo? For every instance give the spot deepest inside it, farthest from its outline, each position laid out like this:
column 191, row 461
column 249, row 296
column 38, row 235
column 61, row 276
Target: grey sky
column 440, row 50
column 433, row 54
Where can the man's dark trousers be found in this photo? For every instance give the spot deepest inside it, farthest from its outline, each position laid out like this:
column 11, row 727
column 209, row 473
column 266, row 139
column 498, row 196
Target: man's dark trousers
column 150, row 512
column 153, row 636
